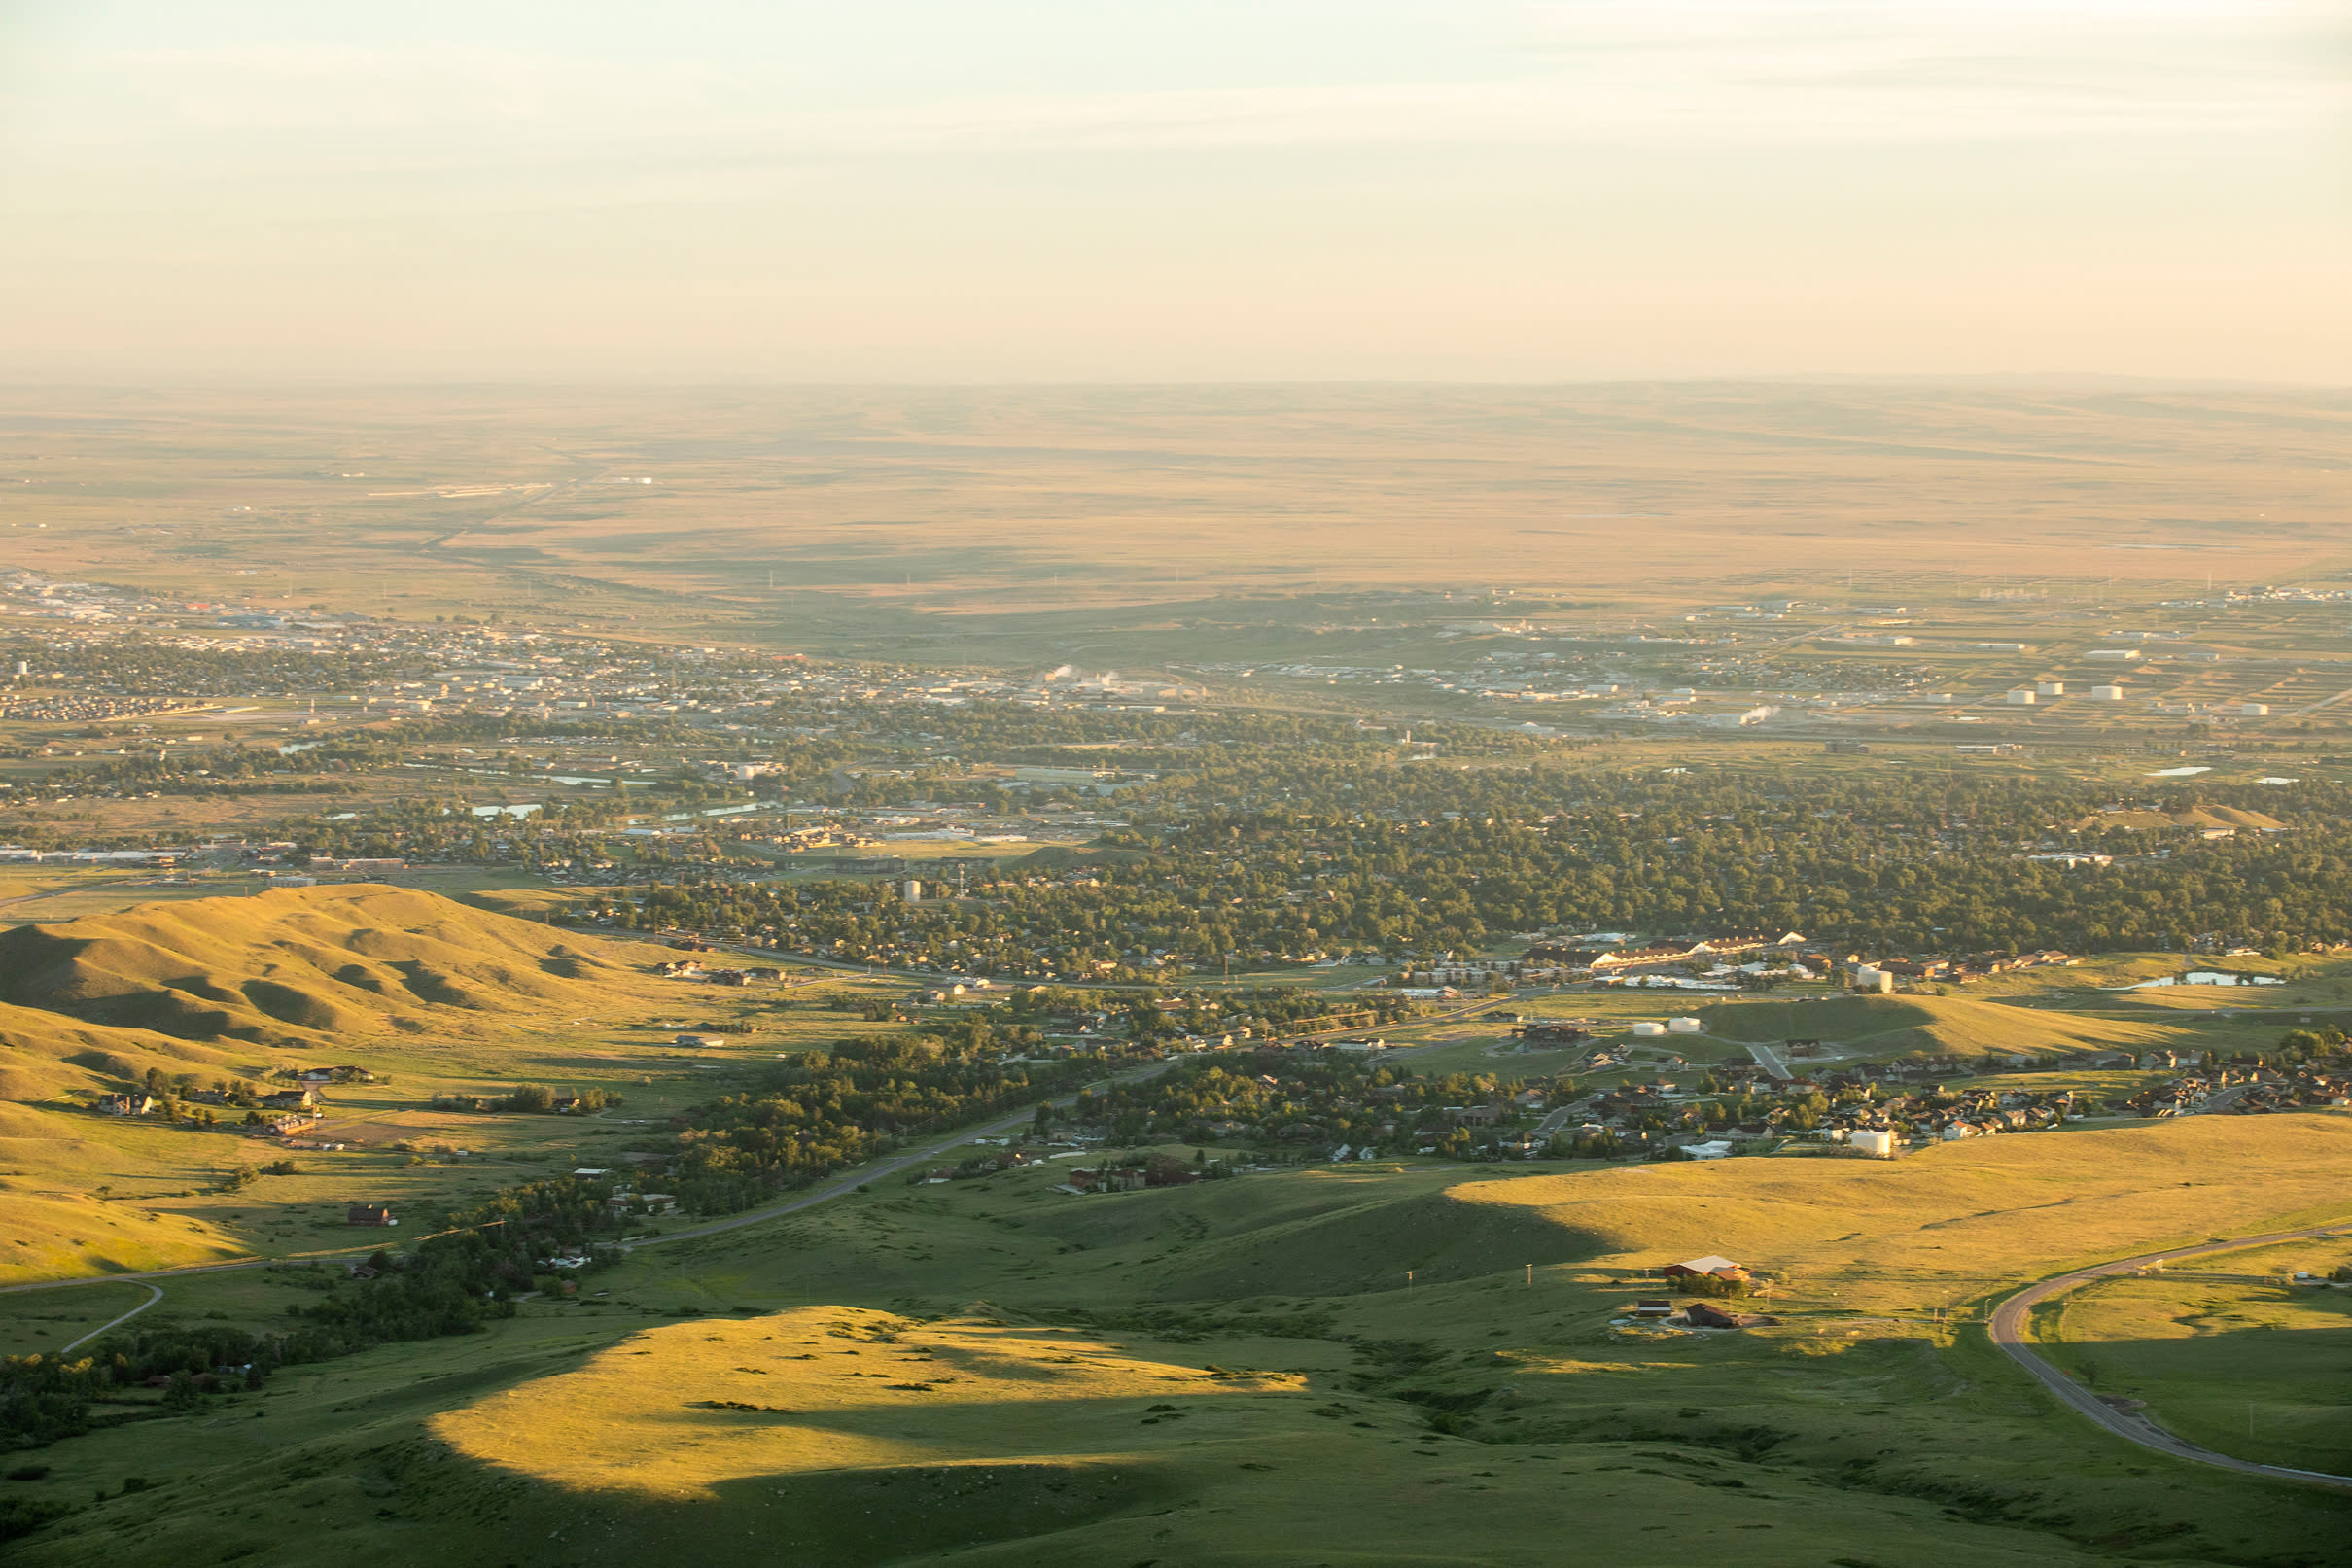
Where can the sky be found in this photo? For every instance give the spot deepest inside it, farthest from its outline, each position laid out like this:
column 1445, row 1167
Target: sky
column 983, row 191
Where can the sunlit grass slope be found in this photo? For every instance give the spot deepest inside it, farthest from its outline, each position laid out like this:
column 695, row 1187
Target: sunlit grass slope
column 823, row 1388
column 44, row 1055
column 830, row 1434
column 1944, row 1224
column 301, row 966
column 421, row 991
column 1942, row 1025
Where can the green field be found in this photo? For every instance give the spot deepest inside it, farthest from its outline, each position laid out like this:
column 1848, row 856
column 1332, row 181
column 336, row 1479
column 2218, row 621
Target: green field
column 2223, row 1350
column 1237, row 1371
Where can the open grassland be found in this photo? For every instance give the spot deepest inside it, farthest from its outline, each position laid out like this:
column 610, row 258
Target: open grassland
column 44, row 1322
column 1237, row 1371
column 299, row 969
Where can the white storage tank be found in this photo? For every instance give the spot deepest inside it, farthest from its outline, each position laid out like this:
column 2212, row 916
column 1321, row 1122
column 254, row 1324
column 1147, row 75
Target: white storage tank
column 2253, row 709
column 2107, row 694
column 2021, row 697
column 1682, row 1026
column 1868, row 977
column 1647, row 1028
column 2049, row 689
column 1876, row 1141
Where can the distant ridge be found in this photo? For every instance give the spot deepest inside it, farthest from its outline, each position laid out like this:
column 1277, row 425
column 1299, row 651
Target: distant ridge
column 178, row 984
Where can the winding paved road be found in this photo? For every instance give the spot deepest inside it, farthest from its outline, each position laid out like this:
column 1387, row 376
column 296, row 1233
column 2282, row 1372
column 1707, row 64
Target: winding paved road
column 2008, row 1331
column 155, row 1295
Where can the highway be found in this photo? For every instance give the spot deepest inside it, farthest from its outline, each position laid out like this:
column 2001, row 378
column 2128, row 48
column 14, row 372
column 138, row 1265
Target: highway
column 2008, row 1323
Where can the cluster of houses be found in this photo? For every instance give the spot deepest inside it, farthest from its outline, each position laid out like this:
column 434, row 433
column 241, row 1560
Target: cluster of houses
column 278, row 1113
column 695, row 969
column 985, row 1164
column 1741, row 959
column 1959, row 970
column 1627, row 956
column 1130, row 1175
column 627, row 1197
column 2247, row 1089
column 1713, row 1275
column 1869, row 1109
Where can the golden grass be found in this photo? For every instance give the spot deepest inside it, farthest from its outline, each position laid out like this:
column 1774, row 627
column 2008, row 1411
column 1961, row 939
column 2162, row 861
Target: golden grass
column 293, row 964
column 428, row 993
column 44, row 1237
column 676, row 1412
column 1942, row 1025
column 1949, row 1224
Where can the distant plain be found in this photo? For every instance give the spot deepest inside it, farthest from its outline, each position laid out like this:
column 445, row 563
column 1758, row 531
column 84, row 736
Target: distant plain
column 832, row 518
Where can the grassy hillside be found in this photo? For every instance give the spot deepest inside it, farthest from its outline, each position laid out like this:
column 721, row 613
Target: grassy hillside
column 44, row 1055
column 1932, row 1229
column 298, row 967
column 1941, row 1026
column 427, row 994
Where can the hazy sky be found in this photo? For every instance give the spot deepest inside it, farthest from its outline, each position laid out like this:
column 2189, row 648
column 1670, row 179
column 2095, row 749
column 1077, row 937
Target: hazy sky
column 984, row 189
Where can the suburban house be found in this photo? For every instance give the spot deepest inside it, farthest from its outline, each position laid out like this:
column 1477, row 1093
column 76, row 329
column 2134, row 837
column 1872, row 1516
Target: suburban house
column 368, row 1214
column 1708, row 1266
